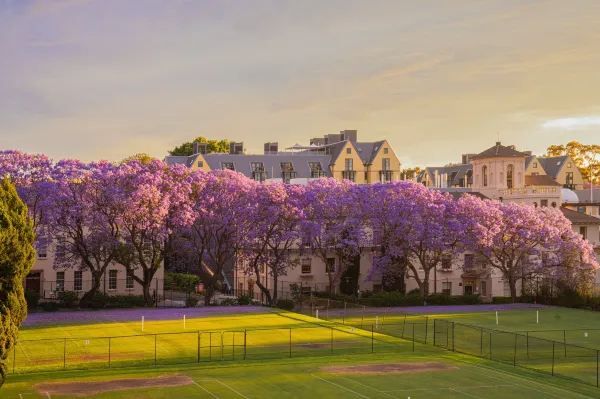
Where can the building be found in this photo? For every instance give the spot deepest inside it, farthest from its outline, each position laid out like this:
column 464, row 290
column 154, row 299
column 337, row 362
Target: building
column 340, row 156
column 49, row 281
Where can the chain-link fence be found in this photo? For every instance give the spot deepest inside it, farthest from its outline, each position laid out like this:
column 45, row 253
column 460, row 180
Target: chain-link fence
column 520, row 349
column 194, row 347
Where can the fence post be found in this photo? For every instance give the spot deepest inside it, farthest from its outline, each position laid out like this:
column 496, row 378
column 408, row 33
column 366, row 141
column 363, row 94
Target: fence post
column 210, row 345
column 290, row 342
column 156, row 293
column 362, row 318
column 198, row 347
column 413, row 337
column 426, row 328
column 65, row 354
column 404, row 325
column 372, row 340
column 244, row 344
column 331, row 329
column 515, row 353
column 344, row 315
column 527, row 343
column 480, row 341
column 222, row 332
column 233, row 345
column 453, row 347
column 447, row 334
column 553, row 344
column 155, row 339
column 109, row 339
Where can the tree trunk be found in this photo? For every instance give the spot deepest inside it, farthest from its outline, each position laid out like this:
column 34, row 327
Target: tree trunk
column 424, row 288
column 148, row 300
column 87, row 297
column 275, row 284
column 208, row 294
column 512, row 283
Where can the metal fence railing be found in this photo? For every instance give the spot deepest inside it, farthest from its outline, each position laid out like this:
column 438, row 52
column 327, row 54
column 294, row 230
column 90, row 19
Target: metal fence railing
column 195, row 347
column 557, row 358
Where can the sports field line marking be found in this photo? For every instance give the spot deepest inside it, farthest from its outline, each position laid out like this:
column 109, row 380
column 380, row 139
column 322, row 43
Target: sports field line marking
column 370, row 387
column 48, row 395
column 341, row 387
column 463, row 393
column 446, row 388
column 532, row 381
column 205, row 390
column 226, row 386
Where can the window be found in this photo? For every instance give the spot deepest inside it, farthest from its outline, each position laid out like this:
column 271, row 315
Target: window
column 446, row 263
column 569, row 180
column 78, row 280
column 483, row 290
column 60, row 281
column 348, row 150
column 385, row 150
column 227, row 166
column 385, row 164
column 543, row 202
column 316, row 170
column 200, row 164
column 469, row 258
column 330, row 265
column 484, row 171
column 535, row 205
column 287, row 172
column 553, row 204
column 447, row 287
column 583, row 231
column 569, row 165
column 112, row 279
column 41, row 246
column 129, row 281
column 535, row 165
column 348, row 164
column 258, row 171
column 509, row 176
column 305, row 290
column 306, row 266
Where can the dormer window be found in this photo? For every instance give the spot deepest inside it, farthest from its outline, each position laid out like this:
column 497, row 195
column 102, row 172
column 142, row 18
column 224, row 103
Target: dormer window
column 385, row 150
column 316, row 170
column 258, row 171
column 287, row 171
column 227, row 166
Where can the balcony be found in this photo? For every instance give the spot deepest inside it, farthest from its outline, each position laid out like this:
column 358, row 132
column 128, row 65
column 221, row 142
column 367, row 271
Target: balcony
column 349, row 175
column 385, row 176
column 527, row 191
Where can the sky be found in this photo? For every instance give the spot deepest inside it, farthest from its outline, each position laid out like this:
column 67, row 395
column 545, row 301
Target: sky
column 104, row 79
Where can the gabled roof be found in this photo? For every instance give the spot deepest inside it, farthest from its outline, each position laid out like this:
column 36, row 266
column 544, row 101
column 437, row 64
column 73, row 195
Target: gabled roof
column 552, row 165
column 367, row 151
column 578, row 217
column 540, row 180
column 460, row 171
column 181, row 159
column 528, row 160
column 585, row 196
column 500, row 151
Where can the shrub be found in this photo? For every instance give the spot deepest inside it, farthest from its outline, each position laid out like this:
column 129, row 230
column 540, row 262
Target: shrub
column 229, row 302
column 286, row 304
column 125, row 301
column 32, row 298
column 50, row 306
column 191, row 301
column 68, row 299
column 244, row 300
column 98, row 301
column 185, row 282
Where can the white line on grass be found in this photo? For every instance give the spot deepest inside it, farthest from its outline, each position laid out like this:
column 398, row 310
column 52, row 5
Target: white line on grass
column 463, row 393
column 226, row 386
column 370, row 387
column 340, row 386
column 48, row 395
column 446, row 388
column 205, row 390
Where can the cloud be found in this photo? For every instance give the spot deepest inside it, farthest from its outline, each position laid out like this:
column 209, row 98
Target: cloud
column 573, row 123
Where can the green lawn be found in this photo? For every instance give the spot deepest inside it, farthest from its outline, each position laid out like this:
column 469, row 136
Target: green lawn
column 309, row 378
column 283, row 354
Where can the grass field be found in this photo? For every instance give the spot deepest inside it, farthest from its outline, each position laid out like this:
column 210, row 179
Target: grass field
column 282, row 354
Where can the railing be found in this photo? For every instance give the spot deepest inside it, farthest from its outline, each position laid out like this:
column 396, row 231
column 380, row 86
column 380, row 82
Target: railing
column 316, row 174
column 259, row 175
column 287, row 176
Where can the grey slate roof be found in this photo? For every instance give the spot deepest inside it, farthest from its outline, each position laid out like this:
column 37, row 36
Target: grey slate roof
column 367, row 151
column 461, row 171
column 586, row 197
column 528, row 160
column 578, row 217
column 552, row 165
column 500, row 151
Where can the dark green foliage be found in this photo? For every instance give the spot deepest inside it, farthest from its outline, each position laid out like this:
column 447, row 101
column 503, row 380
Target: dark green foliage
column 17, row 255
column 50, row 306
column 184, row 282
column 97, row 301
column 32, row 298
column 125, row 301
column 191, row 301
column 68, row 299
column 286, row 304
column 244, row 300
column 187, row 148
column 442, row 299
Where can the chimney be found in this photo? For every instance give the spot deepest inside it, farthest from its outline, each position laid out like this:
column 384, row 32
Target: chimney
column 271, row 148
column 200, row 148
column 528, row 153
column 236, row 148
column 349, row 135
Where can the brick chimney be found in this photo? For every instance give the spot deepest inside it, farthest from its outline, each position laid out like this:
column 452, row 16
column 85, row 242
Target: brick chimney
column 236, row 148
column 271, row 148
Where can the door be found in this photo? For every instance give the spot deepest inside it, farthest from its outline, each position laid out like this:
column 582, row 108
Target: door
column 33, row 282
column 469, row 288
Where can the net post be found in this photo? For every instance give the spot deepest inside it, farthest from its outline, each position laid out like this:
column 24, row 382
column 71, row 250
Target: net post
column 210, row 345
column 362, row 318
column 553, row 345
column 426, row 327
column 331, row 329
column 447, row 335
column 515, row 352
column 490, row 336
column 565, row 341
column 481, row 341
column 413, row 337
column 434, row 330
column 453, row 347
column 155, row 339
column 527, row 342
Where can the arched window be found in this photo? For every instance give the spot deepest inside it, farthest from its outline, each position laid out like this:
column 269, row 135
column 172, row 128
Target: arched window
column 509, row 176
column 484, row 174
column 535, row 204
